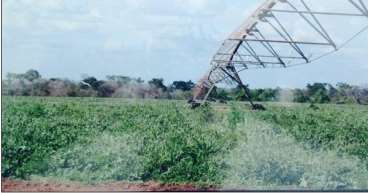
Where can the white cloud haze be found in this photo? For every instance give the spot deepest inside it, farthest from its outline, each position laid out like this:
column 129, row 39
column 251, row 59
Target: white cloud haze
column 172, row 39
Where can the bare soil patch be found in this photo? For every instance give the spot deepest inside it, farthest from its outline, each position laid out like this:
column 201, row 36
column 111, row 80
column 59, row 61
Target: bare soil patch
column 32, row 186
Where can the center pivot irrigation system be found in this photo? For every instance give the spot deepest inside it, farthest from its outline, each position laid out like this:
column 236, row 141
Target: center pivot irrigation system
column 281, row 34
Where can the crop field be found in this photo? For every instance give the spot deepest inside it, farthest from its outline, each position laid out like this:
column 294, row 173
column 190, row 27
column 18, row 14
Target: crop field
column 222, row 146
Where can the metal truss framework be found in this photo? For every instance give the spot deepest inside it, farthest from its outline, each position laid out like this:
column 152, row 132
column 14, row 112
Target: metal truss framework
column 240, row 51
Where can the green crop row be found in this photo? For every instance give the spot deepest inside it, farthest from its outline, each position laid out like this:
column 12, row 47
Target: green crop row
column 168, row 141
column 343, row 128
column 94, row 140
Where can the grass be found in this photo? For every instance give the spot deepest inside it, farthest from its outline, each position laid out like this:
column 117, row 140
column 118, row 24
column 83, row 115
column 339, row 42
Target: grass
column 95, row 140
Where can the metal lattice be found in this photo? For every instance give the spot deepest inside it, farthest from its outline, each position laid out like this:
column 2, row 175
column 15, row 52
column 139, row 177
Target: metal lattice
column 284, row 33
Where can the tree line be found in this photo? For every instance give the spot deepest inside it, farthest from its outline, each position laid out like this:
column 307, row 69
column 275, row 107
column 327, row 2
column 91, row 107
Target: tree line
column 31, row 83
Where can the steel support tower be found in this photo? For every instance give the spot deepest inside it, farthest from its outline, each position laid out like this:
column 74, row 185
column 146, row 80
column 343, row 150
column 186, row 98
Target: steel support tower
column 265, row 40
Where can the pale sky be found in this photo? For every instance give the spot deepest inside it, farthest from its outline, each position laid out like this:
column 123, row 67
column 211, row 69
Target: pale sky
column 170, row 39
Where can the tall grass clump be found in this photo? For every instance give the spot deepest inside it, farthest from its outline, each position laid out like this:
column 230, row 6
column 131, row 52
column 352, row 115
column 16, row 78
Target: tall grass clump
column 267, row 158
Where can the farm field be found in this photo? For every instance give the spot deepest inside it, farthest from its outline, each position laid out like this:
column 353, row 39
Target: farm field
column 95, row 141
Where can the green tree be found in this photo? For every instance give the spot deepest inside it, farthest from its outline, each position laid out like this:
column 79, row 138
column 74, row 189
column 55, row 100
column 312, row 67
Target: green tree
column 32, row 75
column 300, row 96
column 182, row 85
column 222, row 94
column 264, row 94
column 318, row 93
column 158, row 83
column 240, row 94
column 91, row 82
column 121, row 80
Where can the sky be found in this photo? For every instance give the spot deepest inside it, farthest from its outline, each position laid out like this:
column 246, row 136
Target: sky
column 170, row 39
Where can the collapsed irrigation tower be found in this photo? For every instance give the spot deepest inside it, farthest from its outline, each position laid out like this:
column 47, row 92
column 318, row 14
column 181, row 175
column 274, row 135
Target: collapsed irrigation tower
column 281, row 34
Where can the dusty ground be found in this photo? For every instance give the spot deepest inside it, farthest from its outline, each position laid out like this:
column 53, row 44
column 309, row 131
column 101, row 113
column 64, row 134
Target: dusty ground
column 30, row 186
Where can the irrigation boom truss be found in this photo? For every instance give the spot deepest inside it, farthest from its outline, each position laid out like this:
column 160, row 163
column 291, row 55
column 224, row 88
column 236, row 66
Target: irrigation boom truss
column 283, row 33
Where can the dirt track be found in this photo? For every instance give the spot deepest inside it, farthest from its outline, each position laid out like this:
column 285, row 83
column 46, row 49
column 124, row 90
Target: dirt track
column 29, row 186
